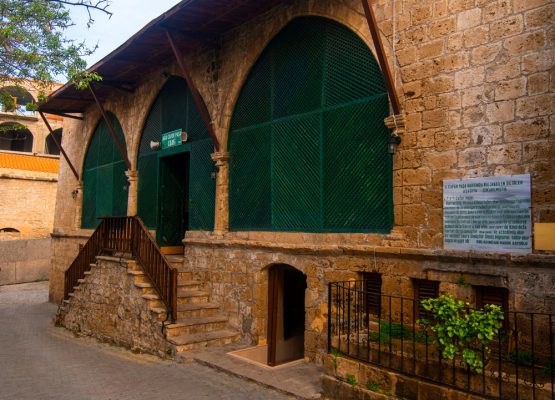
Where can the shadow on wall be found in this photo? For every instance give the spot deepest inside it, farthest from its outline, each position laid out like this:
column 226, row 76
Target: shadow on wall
column 22, row 261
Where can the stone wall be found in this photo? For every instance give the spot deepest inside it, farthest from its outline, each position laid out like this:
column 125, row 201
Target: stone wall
column 109, row 307
column 24, row 261
column 236, row 272
column 28, row 202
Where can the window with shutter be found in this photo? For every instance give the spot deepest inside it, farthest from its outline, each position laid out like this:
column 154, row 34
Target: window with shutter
column 307, row 140
column 492, row 295
column 373, row 292
column 424, row 289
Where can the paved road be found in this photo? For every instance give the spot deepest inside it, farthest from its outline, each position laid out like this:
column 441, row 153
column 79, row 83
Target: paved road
column 39, row 361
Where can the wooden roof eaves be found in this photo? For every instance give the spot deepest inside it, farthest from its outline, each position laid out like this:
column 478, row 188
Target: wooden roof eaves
column 125, row 45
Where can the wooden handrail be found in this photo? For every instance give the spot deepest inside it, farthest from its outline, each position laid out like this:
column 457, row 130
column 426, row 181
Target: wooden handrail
column 127, row 235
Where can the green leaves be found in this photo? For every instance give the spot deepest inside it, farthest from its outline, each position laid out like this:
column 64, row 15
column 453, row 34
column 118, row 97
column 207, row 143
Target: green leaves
column 32, row 41
column 463, row 331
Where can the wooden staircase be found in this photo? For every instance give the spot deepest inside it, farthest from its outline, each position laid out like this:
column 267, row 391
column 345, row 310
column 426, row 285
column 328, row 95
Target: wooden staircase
column 199, row 323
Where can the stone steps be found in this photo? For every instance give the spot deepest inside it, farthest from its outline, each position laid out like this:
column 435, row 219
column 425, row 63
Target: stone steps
column 192, row 296
column 199, row 322
column 197, row 310
column 201, row 340
column 188, row 326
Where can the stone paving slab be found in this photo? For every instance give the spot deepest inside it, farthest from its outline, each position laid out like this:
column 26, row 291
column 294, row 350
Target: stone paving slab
column 301, row 380
column 39, row 361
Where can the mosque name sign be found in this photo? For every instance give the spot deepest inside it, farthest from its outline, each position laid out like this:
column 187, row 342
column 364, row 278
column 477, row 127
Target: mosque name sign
column 172, row 139
column 488, row 214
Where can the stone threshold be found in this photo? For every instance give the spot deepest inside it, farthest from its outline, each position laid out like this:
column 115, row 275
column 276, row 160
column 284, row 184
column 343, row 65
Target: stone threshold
column 301, row 380
column 505, row 259
column 81, row 234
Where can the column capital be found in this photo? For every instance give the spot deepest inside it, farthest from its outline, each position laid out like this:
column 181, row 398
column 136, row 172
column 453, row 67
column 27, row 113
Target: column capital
column 220, row 157
column 396, row 122
column 132, row 175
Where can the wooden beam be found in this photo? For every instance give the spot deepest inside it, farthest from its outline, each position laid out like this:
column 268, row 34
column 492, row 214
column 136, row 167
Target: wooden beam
column 119, row 145
column 64, row 115
column 389, row 83
column 59, row 145
column 194, row 92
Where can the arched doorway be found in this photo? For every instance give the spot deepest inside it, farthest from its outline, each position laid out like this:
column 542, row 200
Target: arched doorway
column 308, row 145
column 15, row 137
column 176, row 185
column 286, row 314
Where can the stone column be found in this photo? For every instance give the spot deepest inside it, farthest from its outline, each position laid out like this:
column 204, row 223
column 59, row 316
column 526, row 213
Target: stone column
column 77, row 195
column 133, row 192
column 221, row 212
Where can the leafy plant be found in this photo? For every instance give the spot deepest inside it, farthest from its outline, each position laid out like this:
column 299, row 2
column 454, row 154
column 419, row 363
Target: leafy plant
column 335, row 354
column 394, row 330
column 351, row 380
column 463, row 331
column 373, row 386
column 463, row 282
column 7, row 101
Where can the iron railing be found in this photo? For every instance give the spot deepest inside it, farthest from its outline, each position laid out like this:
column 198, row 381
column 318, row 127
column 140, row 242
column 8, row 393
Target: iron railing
column 127, row 235
column 521, row 364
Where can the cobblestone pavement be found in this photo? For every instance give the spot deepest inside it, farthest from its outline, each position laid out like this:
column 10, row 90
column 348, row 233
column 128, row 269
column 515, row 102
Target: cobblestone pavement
column 39, row 361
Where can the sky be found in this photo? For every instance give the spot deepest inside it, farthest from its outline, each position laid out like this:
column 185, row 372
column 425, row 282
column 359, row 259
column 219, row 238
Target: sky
column 128, row 17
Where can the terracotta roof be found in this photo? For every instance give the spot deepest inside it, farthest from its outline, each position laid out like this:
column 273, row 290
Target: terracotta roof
column 29, row 162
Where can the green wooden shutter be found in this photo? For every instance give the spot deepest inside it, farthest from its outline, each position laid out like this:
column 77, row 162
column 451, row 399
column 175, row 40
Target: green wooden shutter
column 250, row 199
column 104, row 182
column 201, row 186
column 308, row 143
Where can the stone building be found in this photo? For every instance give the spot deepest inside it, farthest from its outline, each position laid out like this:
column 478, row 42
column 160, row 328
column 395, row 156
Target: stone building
column 29, row 164
column 296, row 182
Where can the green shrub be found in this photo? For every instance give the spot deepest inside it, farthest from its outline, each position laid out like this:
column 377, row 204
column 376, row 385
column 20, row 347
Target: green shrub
column 463, row 331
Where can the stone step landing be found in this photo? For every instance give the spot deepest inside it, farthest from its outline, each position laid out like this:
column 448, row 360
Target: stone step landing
column 199, row 322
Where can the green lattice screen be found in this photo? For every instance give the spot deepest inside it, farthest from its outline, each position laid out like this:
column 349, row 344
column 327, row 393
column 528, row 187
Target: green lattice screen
column 174, row 109
column 308, row 143
column 104, row 182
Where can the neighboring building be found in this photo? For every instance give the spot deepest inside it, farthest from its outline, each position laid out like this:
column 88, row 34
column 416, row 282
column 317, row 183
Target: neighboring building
column 302, row 189
column 29, row 163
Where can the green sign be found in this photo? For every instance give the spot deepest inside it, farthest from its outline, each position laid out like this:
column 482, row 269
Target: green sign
column 171, row 139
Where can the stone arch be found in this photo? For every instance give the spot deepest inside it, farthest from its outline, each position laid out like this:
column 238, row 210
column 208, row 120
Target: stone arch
column 9, row 230
column 16, row 137
column 21, row 97
column 348, row 17
column 174, row 108
column 103, row 166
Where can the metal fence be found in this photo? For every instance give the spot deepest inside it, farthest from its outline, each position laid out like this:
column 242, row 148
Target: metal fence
column 390, row 332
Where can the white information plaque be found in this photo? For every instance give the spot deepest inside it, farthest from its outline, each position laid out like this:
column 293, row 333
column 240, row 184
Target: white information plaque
column 490, row 214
